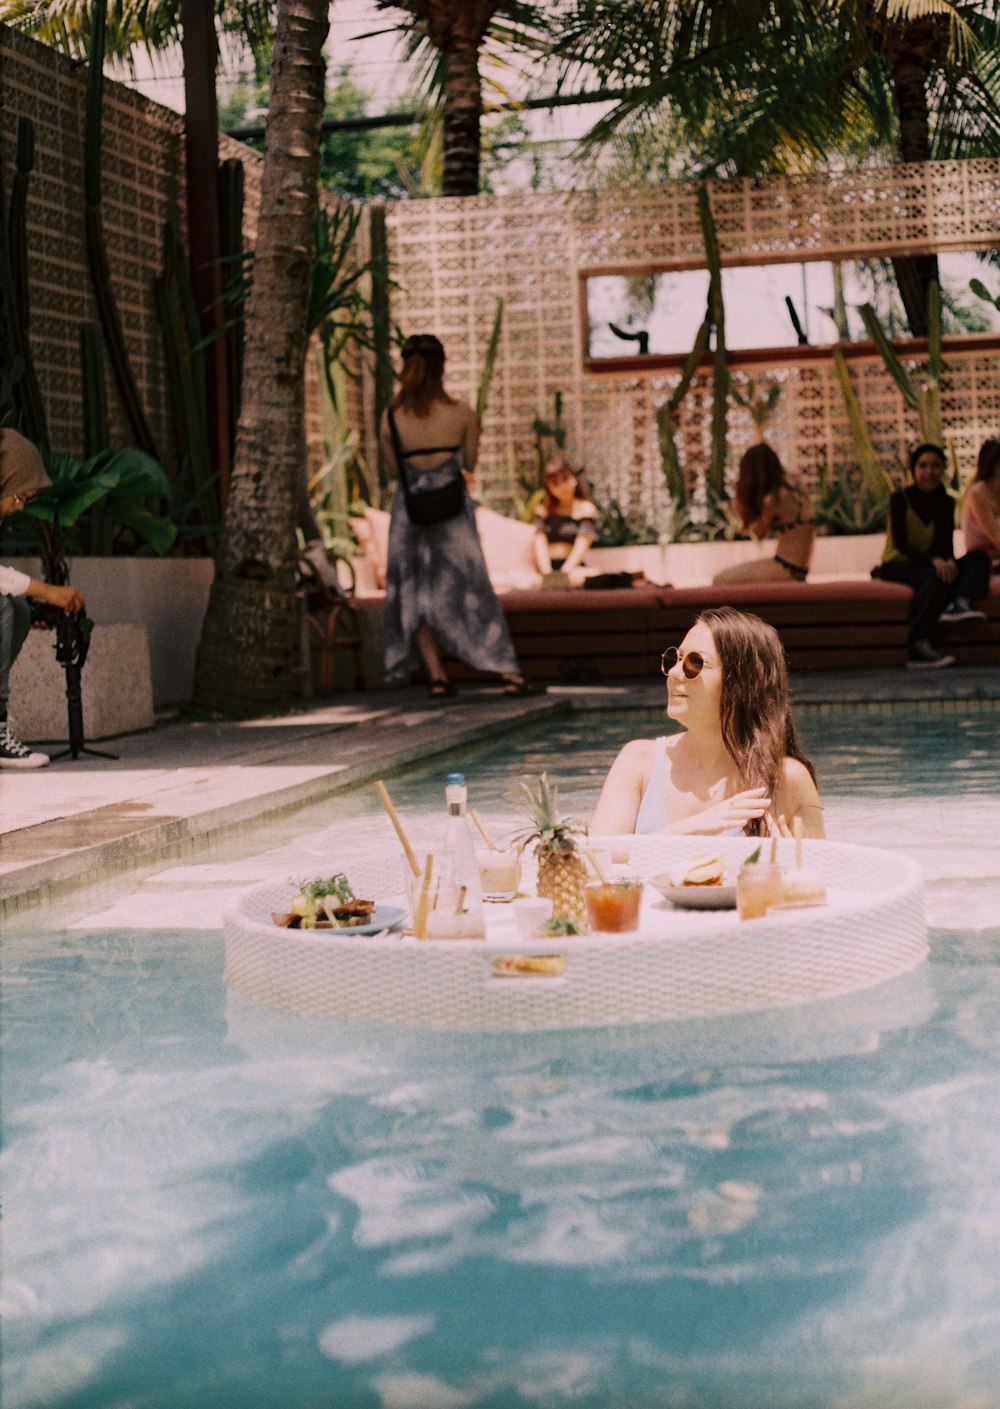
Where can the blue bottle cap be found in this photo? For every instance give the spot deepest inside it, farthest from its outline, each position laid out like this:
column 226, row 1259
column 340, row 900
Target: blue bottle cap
column 455, row 778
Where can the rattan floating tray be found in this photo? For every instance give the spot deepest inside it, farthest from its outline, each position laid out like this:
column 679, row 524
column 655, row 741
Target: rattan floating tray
column 679, row 964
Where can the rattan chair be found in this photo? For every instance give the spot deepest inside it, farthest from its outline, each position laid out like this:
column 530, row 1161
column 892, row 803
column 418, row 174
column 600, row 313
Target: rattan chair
column 329, row 624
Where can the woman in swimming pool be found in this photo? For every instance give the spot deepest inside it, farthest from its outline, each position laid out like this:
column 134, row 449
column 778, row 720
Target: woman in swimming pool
column 737, row 766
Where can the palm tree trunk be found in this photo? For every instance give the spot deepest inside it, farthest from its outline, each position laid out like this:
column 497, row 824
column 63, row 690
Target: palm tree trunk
column 910, row 56
column 463, row 106
column 248, row 652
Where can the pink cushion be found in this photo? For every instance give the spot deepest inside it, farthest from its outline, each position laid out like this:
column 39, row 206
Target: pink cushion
column 508, row 547
column 372, row 533
column 509, row 550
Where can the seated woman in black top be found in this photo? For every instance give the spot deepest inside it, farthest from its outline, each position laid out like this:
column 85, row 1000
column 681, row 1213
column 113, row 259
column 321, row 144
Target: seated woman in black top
column 919, row 552
column 566, row 523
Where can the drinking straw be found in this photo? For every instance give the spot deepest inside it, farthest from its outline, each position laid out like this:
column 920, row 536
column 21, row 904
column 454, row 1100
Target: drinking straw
column 774, row 849
column 797, row 833
column 380, row 788
column 482, row 830
column 461, row 900
column 420, row 915
column 592, row 858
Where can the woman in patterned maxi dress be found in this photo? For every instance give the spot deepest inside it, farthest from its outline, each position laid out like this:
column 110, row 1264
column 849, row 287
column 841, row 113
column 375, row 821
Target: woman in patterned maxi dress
column 439, row 598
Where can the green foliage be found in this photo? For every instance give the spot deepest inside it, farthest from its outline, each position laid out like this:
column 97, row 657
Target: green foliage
column 848, row 503
column 713, row 521
column 981, row 291
column 489, row 362
column 922, row 396
column 760, row 402
column 121, row 483
column 617, row 527
column 342, row 486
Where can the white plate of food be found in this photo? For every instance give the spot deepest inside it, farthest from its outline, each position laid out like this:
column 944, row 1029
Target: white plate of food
column 696, row 897
column 383, row 917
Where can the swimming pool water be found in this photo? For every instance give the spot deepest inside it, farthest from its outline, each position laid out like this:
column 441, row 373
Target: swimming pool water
column 212, row 1204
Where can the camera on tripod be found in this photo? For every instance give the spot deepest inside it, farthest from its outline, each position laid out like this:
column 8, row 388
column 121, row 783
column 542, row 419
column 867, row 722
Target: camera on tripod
column 72, row 644
column 72, row 631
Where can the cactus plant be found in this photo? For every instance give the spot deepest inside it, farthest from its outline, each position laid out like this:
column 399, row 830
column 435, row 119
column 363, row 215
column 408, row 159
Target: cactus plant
column 97, row 256
column 25, row 391
column 924, row 397
column 714, row 321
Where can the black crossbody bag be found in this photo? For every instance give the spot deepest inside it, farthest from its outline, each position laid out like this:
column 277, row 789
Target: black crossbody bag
column 431, row 496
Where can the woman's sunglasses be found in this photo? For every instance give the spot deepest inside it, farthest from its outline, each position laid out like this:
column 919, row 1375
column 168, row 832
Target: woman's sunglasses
column 692, row 662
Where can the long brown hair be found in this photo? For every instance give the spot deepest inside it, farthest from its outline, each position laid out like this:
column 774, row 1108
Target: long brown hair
column 421, row 381
column 757, row 725
column 989, row 459
column 761, row 473
column 556, row 466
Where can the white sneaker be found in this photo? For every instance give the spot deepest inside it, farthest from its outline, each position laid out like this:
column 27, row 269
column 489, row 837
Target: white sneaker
column 961, row 609
column 923, row 656
column 14, row 754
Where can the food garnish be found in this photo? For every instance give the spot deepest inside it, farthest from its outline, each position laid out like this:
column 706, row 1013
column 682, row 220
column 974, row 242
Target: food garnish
column 561, row 925
column 309, row 909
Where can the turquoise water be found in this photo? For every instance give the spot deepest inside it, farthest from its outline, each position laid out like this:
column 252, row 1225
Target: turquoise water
column 210, row 1204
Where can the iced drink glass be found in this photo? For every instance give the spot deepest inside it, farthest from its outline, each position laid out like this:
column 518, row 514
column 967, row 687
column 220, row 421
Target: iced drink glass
column 756, row 891
column 499, row 873
column 614, row 907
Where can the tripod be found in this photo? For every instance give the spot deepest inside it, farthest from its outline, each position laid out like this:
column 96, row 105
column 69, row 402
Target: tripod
column 72, row 644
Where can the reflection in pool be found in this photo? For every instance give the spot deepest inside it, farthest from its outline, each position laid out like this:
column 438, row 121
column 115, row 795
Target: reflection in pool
column 210, row 1203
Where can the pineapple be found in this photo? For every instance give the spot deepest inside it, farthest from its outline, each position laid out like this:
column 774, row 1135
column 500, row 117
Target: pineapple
column 562, row 874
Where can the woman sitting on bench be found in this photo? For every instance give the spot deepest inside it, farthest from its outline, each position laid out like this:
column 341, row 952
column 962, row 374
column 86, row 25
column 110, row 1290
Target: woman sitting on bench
column 769, row 503
column 566, row 523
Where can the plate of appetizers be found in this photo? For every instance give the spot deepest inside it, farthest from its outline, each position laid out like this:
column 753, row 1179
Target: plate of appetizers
column 372, row 921
column 330, row 904
column 713, row 896
column 699, row 884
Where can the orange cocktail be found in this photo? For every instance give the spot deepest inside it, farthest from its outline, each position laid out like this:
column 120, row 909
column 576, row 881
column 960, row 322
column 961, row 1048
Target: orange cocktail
column 614, row 906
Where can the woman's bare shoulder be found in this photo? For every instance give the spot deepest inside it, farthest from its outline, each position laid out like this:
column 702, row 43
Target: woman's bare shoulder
column 635, row 759
column 584, row 509
column 795, row 773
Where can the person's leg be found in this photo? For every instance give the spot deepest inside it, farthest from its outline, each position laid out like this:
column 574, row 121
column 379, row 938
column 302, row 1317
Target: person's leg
column 754, row 570
column 15, row 622
column 427, row 646
column 973, row 580
column 930, row 595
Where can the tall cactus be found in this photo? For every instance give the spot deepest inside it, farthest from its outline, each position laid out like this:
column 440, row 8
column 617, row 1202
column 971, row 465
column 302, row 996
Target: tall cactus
column 716, row 483
column 14, row 259
column 923, row 396
column 714, row 321
column 97, row 255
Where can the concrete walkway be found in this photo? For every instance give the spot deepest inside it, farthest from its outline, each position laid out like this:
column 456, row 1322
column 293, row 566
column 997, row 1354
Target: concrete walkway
column 172, row 787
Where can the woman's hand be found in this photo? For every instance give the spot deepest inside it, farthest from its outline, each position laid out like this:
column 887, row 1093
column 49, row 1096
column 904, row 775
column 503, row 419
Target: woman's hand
column 67, row 598
column 731, row 812
column 946, row 568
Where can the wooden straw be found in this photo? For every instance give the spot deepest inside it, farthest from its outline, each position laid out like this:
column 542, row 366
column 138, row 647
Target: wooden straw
column 420, row 916
column 592, row 858
column 461, row 900
column 380, row 788
column 482, row 830
column 797, row 833
column 774, row 849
